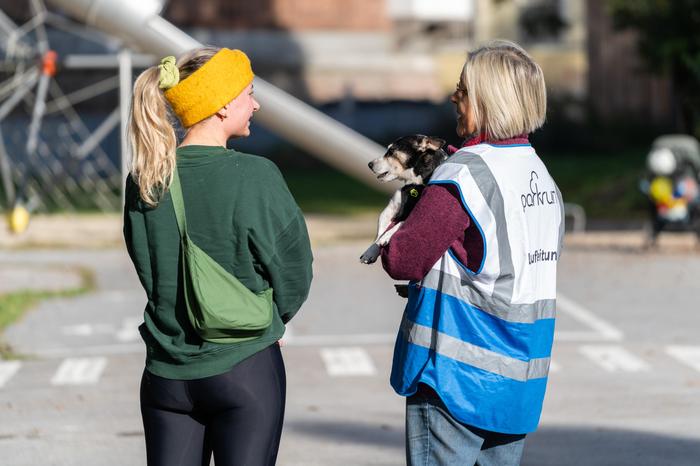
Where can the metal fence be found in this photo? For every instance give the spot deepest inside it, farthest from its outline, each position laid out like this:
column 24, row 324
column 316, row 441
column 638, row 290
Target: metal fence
column 51, row 156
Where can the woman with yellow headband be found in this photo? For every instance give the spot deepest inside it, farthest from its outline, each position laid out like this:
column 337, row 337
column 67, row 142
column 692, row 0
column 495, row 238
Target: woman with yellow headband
column 202, row 395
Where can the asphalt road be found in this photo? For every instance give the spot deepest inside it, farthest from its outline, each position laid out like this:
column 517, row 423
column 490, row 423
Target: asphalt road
column 624, row 390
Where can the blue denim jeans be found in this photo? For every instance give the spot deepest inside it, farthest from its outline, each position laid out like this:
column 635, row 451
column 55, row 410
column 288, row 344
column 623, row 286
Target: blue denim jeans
column 435, row 438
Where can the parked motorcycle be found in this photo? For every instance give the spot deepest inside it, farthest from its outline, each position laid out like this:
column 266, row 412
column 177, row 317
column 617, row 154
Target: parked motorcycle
column 672, row 185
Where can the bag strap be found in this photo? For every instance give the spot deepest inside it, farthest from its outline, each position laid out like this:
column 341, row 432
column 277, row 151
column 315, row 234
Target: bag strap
column 178, row 203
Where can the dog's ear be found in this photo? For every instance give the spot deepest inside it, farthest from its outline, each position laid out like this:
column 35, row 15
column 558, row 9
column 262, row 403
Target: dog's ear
column 425, row 166
column 435, row 143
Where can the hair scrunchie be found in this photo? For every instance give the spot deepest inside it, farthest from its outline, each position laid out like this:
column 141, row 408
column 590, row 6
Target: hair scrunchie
column 169, row 73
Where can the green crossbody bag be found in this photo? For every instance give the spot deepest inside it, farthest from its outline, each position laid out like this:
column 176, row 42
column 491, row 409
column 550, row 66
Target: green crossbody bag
column 220, row 308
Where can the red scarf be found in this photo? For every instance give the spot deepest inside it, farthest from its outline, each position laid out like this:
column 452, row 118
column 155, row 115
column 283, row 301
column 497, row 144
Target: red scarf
column 481, row 138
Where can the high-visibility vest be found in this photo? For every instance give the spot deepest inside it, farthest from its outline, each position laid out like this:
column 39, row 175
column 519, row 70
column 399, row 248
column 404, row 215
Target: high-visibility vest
column 482, row 338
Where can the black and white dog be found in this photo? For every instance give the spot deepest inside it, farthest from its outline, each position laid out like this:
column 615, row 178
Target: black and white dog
column 411, row 159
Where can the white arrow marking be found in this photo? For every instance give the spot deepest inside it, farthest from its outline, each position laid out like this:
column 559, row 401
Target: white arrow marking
column 7, row 370
column 688, row 355
column 79, row 371
column 614, row 358
column 347, row 362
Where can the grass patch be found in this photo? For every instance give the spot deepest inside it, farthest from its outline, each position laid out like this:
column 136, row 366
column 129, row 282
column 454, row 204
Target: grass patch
column 14, row 305
column 326, row 191
column 606, row 185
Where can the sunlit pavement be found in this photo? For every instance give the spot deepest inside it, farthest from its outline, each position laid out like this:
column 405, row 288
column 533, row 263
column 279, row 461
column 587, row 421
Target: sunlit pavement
column 623, row 390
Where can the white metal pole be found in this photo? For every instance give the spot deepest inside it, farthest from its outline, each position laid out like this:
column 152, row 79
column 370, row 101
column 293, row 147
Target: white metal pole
column 125, row 83
column 137, row 22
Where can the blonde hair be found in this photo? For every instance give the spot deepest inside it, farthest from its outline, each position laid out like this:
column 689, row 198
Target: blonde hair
column 152, row 128
column 506, row 90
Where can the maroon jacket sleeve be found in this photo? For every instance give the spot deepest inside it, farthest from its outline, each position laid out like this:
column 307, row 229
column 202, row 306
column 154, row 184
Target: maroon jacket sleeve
column 437, row 221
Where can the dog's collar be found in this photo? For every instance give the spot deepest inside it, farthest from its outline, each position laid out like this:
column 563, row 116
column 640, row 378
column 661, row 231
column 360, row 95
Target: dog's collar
column 413, row 190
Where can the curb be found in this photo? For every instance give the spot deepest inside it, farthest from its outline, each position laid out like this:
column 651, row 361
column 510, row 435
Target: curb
column 105, row 231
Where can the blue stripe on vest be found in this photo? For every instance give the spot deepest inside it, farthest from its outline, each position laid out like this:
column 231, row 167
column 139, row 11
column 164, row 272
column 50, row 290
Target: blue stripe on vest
column 468, row 323
column 473, row 396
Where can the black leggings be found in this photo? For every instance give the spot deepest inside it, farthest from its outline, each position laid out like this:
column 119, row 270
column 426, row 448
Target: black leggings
column 236, row 415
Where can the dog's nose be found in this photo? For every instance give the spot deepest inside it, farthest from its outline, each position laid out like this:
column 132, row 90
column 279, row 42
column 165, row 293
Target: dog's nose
column 370, row 165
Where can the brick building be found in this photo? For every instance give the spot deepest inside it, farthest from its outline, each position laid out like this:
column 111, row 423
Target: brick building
column 296, row 15
column 386, row 49
column 328, row 50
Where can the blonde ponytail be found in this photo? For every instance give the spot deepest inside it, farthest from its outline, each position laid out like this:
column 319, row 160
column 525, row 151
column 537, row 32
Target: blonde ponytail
column 152, row 137
column 152, row 128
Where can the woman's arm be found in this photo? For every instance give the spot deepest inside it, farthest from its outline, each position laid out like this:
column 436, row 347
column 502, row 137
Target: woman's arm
column 289, row 268
column 136, row 236
column 436, row 222
column 281, row 242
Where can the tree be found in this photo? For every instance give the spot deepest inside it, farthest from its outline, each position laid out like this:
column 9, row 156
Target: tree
column 669, row 42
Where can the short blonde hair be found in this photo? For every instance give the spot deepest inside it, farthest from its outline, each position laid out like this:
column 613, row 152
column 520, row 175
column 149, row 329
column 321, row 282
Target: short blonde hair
column 506, row 90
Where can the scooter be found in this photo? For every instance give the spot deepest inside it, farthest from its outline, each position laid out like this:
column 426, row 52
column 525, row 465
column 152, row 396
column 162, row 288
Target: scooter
column 672, row 185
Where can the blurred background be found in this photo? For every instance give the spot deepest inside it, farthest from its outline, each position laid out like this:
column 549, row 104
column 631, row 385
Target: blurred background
column 619, row 74
column 339, row 81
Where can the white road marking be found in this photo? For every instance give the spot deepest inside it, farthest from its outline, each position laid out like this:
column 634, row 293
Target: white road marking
column 79, row 371
column 349, row 339
column 602, row 330
column 102, row 350
column 118, row 296
column 554, row 367
column 7, row 370
column 613, row 358
column 689, row 355
column 347, row 362
column 86, row 330
column 288, row 332
column 129, row 330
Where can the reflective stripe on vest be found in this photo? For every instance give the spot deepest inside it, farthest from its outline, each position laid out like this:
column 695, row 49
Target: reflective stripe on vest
column 473, row 355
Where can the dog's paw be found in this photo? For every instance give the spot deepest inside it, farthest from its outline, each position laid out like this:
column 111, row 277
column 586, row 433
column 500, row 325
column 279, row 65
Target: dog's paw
column 386, row 236
column 371, row 254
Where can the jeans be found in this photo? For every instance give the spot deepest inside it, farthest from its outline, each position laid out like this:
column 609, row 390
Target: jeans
column 435, row 438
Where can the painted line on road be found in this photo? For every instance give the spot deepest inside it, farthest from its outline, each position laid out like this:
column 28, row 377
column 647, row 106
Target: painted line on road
column 614, row 358
column 79, row 371
column 7, row 370
column 602, row 330
column 346, row 362
column 129, row 330
column 86, row 330
column 333, row 340
column 688, row 355
column 101, row 350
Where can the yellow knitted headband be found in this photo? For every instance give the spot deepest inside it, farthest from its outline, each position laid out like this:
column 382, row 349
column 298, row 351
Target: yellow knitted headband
column 209, row 88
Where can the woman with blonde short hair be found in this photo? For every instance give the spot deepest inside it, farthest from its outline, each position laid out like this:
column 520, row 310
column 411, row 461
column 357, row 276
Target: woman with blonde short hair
column 210, row 388
column 480, row 249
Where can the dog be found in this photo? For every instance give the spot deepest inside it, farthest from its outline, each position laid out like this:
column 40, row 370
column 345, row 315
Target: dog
column 411, row 159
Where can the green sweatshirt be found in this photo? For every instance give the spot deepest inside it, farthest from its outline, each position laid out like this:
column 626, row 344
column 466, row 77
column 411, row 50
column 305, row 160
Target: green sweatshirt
column 240, row 212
